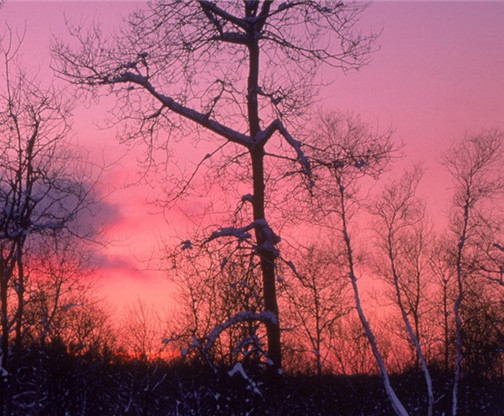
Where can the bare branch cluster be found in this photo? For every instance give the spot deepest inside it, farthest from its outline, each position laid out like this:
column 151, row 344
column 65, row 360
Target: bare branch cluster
column 42, row 201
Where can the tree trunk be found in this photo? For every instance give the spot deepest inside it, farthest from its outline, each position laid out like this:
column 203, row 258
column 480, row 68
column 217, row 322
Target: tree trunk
column 268, row 256
column 20, row 290
column 265, row 246
column 4, row 337
column 458, row 304
column 398, row 407
column 5, row 324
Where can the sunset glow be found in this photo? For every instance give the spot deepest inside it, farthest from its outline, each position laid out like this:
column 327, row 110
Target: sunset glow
column 437, row 75
column 251, row 207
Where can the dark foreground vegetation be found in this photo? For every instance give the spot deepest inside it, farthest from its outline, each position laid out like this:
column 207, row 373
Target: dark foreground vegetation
column 50, row 381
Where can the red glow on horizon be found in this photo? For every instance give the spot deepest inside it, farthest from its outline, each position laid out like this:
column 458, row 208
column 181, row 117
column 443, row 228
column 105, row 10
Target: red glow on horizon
column 438, row 74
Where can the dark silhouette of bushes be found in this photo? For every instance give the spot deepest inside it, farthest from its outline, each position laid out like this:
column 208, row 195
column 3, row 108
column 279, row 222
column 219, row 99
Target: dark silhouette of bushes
column 49, row 381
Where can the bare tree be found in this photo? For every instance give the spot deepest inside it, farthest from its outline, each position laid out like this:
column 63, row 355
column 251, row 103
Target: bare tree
column 216, row 283
column 398, row 213
column 317, row 298
column 55, row 285
column 238, row 70
column 441, row 264
column 483, row 332
column 141, row 331
column 41, row 195
column 352, row 349
column 475, row 164
column 345, row 153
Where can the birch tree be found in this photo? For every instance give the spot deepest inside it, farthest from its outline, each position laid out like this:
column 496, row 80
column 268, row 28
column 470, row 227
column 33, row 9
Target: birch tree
column 475, row 165
column 398, row 213
column 239, row 73
column 345, row 154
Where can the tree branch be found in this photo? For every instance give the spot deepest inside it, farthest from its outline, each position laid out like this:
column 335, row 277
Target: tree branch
column 189, row 113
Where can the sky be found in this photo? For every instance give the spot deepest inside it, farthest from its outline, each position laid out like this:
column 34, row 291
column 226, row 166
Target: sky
column 438, row 74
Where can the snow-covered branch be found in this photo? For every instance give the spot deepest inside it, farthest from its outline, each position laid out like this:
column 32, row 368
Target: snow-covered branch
column 264, row 316
column 277, row 125
column 198, row 117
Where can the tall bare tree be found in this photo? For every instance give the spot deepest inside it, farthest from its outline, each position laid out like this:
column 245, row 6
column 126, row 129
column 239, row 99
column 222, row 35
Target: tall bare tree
column 475, row 165
column 398, row 214
column 346, row 153
column 241, row 71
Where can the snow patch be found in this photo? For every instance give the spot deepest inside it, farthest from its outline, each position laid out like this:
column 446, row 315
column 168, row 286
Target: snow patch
column 238, row 368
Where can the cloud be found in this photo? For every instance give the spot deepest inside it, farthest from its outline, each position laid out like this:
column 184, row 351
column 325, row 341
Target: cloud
column 120, row 264
column 107, row 214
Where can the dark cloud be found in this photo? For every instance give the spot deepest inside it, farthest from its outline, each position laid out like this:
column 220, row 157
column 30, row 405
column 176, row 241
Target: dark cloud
column 104, row 262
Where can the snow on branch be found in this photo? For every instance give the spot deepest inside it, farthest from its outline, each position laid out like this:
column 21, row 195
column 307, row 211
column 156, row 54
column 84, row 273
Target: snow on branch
column 244, row 234
column 247, row 198
column 187, row 245
column 264, row 316
column 241, row 233
column 270, row 238
column 238, row 368
column 277, row 125
column 198, row 117
column 3, row 372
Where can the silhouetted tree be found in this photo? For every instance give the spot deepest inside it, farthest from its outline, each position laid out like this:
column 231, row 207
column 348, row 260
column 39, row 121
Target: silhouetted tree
column 242, row 71
column 398, row 214
column 441, row 264
column 42, row 198
column 317, row 298
column 475, row 165
column 141, row 331
column 216, row 284
column 345, row 152
column 41, row 194
column 482, row 313
column 55, row 285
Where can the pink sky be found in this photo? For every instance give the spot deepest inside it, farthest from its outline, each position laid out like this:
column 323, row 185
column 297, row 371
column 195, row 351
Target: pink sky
column 439, row 73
